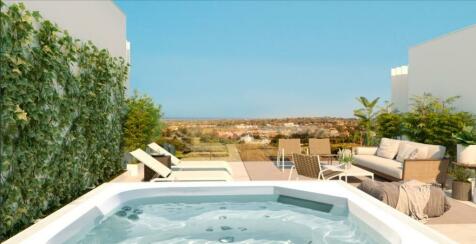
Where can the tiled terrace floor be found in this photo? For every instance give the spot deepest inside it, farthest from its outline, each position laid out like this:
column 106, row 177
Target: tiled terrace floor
column 459, row 223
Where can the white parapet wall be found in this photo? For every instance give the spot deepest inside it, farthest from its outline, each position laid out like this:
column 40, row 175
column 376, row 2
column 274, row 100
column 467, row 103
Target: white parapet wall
column 444, row 67
column 400, row 88
column 99, row 21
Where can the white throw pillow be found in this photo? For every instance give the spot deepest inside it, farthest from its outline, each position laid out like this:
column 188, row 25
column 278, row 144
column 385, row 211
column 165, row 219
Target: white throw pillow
column 406, row 152
column 422, row 149
column 388, row 148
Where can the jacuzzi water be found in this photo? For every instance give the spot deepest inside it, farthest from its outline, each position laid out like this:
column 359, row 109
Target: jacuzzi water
column 228, row 219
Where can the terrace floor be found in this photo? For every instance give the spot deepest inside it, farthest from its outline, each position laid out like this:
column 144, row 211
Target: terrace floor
column 459, row 223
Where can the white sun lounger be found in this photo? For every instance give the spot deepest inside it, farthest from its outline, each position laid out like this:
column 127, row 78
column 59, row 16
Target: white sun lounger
column 170, row 175
column 191, row 165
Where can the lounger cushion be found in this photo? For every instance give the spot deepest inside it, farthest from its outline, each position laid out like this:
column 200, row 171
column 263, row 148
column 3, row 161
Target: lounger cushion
column 200, row 176
column 192, row 165
column 383, row 165
column 388, row 148
column 205, row 165
column 148, row 160
column 161, row 150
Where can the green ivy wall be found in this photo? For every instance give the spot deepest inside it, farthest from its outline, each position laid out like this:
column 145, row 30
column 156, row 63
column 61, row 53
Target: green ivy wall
column 61, row 110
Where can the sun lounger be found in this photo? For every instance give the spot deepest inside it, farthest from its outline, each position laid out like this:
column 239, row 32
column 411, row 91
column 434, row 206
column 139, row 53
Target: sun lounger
column 169, row 175
column 191, row 165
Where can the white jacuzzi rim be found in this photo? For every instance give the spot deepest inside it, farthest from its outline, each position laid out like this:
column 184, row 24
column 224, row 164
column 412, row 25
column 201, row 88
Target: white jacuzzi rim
column 108, row 196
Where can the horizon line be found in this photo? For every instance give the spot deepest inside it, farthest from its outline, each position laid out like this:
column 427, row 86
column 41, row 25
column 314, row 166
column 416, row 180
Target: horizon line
column 254, row 118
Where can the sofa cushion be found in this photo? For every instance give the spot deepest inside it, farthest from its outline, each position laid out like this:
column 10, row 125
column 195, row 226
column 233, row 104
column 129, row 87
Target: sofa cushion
column 365, row 150
column 432, row 151
column 388, row 148
column 383, row 165
column 409, row 151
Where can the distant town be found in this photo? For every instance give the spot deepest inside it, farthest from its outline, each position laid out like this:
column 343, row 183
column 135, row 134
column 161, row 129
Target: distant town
column 210, row 137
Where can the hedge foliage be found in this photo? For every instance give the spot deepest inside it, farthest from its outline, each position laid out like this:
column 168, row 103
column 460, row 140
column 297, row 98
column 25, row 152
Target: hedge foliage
column 61, row 110
column 430, row 120
column 142, row 122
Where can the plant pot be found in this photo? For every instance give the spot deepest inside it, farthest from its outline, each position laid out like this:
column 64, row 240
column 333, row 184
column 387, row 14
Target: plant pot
column 466, row 154
column 133, row 169
column 461, row 190
column 473, row 186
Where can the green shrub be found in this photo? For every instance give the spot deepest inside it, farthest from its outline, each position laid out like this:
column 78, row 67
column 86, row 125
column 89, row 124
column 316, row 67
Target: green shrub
column 366, row 116
column 389, row 125
column 431, row 120
column 466, row 137
column 61, row 104
column 142, row 123
column 461, row 174
column 434, row 121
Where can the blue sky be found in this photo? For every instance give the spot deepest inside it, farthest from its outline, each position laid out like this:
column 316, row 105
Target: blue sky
column 276, row 59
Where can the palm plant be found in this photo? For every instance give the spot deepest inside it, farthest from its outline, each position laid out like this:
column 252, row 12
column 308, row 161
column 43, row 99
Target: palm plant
column 367, row 115
column 466, row 137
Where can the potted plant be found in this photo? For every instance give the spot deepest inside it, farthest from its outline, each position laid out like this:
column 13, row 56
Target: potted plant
column 466, row 148
column 345, row 157
column 461, row 187
column 133, row 167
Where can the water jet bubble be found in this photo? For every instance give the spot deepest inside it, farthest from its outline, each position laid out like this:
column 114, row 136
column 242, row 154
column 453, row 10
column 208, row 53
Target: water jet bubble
column 222, row 207
column 138, row 211
column 266, row 216
column 222, row 217
column 242, row 228
column 133, row 217
column 121, row 213
column 226, row 239
column 209, row 229
column 225, row 228
column 126, row 208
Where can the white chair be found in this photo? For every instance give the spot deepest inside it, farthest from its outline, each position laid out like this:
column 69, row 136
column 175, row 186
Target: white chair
column 191, row 165
column 169, row 175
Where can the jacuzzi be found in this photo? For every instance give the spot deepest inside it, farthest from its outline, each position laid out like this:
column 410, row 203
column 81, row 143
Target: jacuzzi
column 235, row 212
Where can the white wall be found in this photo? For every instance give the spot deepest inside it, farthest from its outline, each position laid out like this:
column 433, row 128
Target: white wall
column 100, row 21
column 446, row 67
column 400, row 88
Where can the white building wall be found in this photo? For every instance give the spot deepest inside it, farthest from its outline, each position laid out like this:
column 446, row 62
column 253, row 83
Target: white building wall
column 446, row 67
column 99, row 21
column 400, row 88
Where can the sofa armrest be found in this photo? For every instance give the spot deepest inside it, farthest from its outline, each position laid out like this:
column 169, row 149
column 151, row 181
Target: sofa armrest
column 426, row 170
column 364, row 150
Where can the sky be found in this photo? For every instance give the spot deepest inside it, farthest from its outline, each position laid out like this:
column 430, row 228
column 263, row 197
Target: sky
column 263, row 59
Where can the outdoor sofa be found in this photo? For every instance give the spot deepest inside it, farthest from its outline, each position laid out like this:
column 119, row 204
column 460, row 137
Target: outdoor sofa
column 398, row 160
